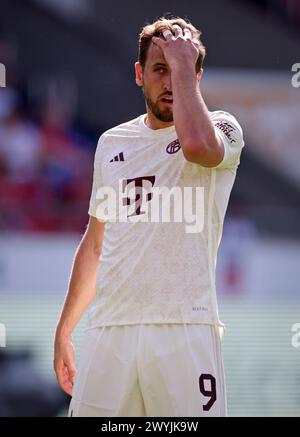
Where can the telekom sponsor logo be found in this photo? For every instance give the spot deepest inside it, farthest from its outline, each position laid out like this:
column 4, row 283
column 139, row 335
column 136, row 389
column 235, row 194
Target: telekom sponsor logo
column 138, row 200
column 137, row 185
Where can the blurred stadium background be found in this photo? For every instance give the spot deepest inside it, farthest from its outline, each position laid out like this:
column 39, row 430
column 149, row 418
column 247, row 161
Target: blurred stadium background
column 69, row 77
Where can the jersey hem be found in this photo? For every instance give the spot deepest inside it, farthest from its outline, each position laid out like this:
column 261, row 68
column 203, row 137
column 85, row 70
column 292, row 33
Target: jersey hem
column 152, row 322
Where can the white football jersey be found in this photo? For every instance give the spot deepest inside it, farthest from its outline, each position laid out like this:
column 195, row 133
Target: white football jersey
column 157, row 267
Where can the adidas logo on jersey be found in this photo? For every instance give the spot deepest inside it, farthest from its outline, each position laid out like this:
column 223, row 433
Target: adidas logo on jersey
column 119, row 157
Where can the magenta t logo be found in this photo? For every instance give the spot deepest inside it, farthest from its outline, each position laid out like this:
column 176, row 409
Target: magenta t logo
column 139, row 185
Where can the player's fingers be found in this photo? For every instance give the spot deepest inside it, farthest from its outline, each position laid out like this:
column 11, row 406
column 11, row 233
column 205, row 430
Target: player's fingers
column 187, row 33
column 71, row 370
column 64, row 380
column 66, row 386
column 65, row 374
column 167, row 34
column 177, row 30
column 157, row 41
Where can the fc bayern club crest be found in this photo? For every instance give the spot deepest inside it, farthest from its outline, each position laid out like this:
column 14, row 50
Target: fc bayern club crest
column 173, row 147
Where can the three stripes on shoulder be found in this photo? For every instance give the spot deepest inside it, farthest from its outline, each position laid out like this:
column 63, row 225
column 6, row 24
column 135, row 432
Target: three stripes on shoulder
column 119, row 157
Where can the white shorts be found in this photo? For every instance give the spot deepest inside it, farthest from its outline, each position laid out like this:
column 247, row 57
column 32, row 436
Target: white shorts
column 150, row 370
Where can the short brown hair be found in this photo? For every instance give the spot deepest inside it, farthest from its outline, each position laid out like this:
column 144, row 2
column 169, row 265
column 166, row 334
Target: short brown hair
column 156, row 29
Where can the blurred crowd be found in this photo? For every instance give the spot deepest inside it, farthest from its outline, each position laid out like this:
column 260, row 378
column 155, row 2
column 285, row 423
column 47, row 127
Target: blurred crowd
column 45, row 160
column 45, row 167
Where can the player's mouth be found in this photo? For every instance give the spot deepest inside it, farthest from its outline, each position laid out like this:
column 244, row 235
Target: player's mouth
column 167, row 100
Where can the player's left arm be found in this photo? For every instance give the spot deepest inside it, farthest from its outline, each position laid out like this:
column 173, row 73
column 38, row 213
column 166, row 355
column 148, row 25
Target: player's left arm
column 195, row 130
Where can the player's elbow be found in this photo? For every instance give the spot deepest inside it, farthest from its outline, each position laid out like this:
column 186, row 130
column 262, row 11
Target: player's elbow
column 207, row 155
column 193, row 152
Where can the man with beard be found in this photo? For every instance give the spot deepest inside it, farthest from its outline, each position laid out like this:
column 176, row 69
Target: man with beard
column 152, row 344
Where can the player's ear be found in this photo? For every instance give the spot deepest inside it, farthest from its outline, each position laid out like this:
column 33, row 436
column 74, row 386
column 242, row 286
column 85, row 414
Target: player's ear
column 138, row 74
column 199, row 74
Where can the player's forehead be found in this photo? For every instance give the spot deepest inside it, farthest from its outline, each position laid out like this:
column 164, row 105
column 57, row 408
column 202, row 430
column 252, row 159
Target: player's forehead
column 155, row 55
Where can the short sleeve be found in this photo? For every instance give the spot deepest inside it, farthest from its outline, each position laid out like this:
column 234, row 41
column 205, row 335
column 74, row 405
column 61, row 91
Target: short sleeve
column 97, row 181
column 231, row 134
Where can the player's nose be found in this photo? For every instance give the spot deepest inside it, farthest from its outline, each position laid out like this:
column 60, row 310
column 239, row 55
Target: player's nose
column 168, row 83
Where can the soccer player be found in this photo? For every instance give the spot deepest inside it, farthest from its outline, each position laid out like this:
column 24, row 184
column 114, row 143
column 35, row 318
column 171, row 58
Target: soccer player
column 152, row 344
